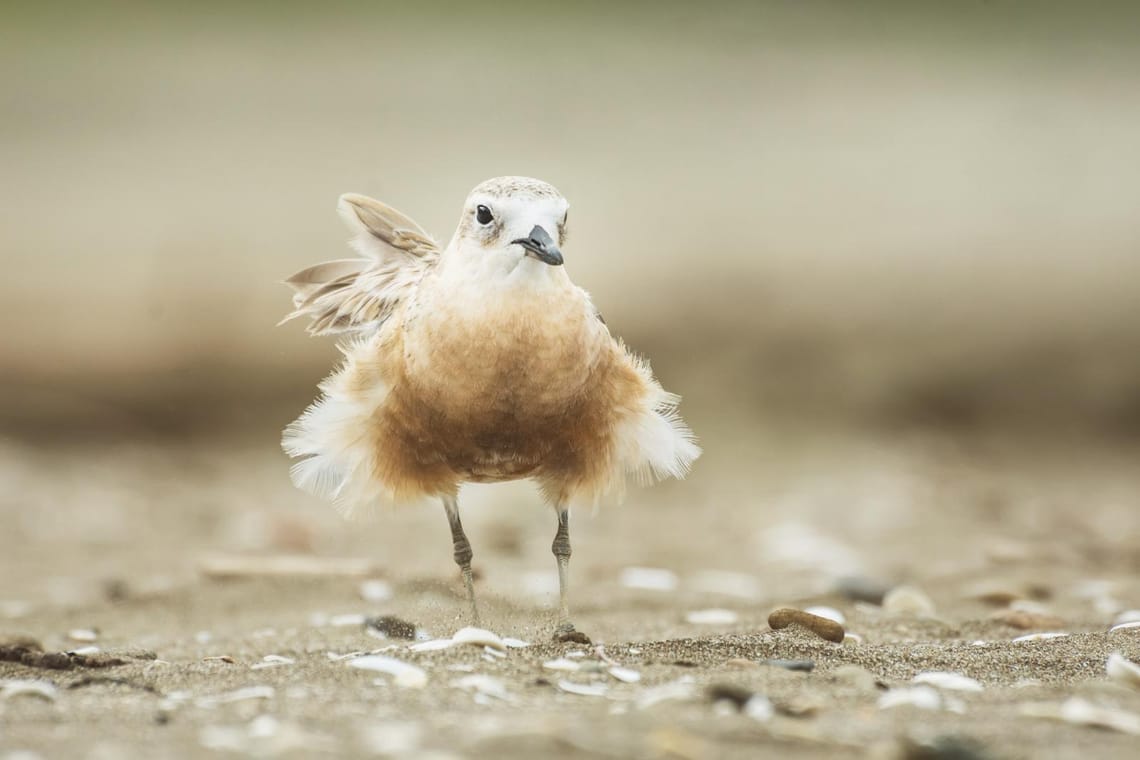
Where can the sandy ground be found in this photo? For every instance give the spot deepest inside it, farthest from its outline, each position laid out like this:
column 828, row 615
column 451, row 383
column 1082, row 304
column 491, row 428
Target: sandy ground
column 113, row 539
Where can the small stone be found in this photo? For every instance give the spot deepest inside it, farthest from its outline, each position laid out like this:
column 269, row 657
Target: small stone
column 820, row 626
column 1026, row 621
column 737, row 695
column 860, row 588
column 391, row 627
column 908, row 600
column 827, row 612
column 584, row 689
column 802, row 666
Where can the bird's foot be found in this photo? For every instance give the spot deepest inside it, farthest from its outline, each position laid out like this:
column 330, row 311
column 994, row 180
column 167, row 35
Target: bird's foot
column 566, row 633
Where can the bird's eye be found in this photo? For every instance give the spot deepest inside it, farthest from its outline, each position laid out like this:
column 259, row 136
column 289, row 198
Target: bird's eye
column 483, row 215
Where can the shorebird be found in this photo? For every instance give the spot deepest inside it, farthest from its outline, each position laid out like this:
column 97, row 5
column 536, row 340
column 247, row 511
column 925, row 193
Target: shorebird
column 478, row 362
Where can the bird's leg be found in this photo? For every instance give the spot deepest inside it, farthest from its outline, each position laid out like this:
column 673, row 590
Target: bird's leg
column 561, row 549
column 462, row 552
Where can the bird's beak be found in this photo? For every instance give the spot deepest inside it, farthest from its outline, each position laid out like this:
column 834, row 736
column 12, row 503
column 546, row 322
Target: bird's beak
column 541, row 246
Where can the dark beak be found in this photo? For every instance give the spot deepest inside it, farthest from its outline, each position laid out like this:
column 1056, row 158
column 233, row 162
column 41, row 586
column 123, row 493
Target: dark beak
column 541, row 246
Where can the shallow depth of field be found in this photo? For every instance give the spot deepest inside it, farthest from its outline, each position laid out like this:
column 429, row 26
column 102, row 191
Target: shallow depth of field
column 888, row 255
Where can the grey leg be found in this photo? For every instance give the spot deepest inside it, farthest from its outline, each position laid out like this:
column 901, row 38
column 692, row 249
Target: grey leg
column 463, row 553
column 561, row 549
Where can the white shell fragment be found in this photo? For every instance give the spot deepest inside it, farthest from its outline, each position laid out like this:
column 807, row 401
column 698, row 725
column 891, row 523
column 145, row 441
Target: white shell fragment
column 1127, row 616
column 478, row 637
column 827, row 612
column 923, row 697
column 683, row 688
column 272, row 660
column 27, row 688
column 1122, row 670
column 405, row 674
column 240, row 695
column 1132, row 625
column 375, row 590
column 561, row 664
column 584, row 689
column 515, row 643
column 712, row 617
column 1041, row 636
column 649, row 578
column 948, row 681
column 759, row 708
column 82, row 635
column 85, row 650
column 340, row 621
column 1084, row 713
column 431, row 646
column 625, row 675
column 908, row 600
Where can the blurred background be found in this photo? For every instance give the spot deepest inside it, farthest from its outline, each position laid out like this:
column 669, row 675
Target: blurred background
column 821, row 220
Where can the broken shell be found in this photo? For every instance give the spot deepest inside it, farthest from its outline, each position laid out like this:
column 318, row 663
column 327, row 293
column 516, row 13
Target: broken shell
column 431, row 646
column 561, row 664
column 625, row 675
column 1084, row 713
column 922, row 697
column 404, row 673
column 1122, row 670
column 584, row 689
column 28, row 688
column 820, row 626
column 82, row 635
column 950, row 681
column 478, row 637
column 483, row 684
column 1041, row 636
column 375, row 590
column 1129, row 626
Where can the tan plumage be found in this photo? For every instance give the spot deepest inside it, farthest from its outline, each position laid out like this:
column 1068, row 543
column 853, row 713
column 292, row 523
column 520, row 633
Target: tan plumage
column 480, row 362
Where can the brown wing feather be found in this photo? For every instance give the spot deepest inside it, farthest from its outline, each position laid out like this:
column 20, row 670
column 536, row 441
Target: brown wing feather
column 356, row 295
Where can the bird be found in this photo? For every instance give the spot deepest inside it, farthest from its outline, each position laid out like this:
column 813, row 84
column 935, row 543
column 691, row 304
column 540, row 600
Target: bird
column 476, row 362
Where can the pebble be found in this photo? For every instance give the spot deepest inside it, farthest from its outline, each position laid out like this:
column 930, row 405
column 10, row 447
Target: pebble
column 712, row 617
column 82, row 635
column 391, row 627
column 949, row 681
column 375, row 590
column 625, row 675
column 649, row 578
column 1079, row 711
column 908, row 600
column 1122, row 670
column 584, row 689
column 827, row 612
column 860, row 588
column 1025, row 620
column 405, row 674
column 10, row 688
column 802, row 666
column 820, row 626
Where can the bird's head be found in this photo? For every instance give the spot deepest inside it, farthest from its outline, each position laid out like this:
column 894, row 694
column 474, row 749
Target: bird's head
column 514, row 217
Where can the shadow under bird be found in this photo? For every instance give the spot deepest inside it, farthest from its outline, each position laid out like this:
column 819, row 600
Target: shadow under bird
column 478, row 362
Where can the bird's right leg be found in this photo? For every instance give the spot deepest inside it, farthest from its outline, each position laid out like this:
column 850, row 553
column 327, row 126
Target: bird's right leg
column 462, row 552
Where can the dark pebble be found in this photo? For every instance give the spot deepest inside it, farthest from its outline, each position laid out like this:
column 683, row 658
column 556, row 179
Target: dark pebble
column 860, row 588
column 805, row 666
column 737, row 695
column 392, row 627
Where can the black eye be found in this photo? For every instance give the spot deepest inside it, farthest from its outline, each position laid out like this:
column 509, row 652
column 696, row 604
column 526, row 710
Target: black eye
column 483, row 215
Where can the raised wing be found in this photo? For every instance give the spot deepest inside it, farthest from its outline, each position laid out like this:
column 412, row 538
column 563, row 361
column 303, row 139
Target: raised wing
column 357, row 295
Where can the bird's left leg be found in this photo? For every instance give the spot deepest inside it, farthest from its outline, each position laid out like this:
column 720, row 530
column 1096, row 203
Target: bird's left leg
column 561, row 549
column 462, row 552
